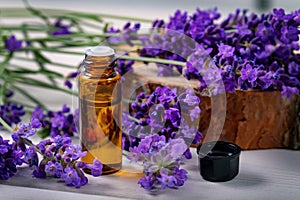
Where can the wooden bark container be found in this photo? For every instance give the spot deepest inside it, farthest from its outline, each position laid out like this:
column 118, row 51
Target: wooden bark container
column 254, row 119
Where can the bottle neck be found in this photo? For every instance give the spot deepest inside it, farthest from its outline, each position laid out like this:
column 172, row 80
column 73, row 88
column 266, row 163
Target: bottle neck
column 99, row 66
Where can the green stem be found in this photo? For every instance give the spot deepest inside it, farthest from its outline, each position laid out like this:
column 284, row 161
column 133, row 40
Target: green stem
column 125, row 18
column 21, row 28
column 22, row 12
column 3, row 64
column 37, row 83
column 50, row 49
column 51, row 62
column 71, row 36
column 45, row 72
column 6, row 125
column 29, row 143
column 26, row 141
column 155, row 60
column 142, row 59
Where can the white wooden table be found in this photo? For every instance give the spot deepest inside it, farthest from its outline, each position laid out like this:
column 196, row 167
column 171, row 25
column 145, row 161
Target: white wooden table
column 264, row 175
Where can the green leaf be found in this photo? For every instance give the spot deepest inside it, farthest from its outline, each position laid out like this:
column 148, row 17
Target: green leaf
column 6, row 60
column 40, row 57
column 106, row 27
column 3, row 93
column 37, row 13
column 38, row 83
column 87, row 16
column 43, row 133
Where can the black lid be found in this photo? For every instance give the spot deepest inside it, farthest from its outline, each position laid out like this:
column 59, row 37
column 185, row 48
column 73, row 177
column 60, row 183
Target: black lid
column 218, row 161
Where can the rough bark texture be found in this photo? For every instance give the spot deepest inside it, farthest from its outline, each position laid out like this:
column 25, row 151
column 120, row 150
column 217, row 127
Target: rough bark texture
column 257, row 120
column 254, row 119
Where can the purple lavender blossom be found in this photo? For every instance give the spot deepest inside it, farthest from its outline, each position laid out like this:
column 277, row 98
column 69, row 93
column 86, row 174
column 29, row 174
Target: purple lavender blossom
column 71, row 177
column 167, row 181
column 54, row 168
column 258, row 40
column 68, row 84
column 128, row 34
column 60, row 158
column 159, row 159
column 31, row 156
column 225, row 51
column 289, row 91
column 146, row 182
column 96, row 168
column 38, row 113
column 24, row 130
column 11, row 113
column 57, row 123
column 190, row 98
column 293, row 68
column 12, row 44
column 180, row 176
column 60, row 28
column 248, row 73
column 74, row 152
column 124, row 66
column 36, row 123
column 58, row 120
column 195, row 113
column 9, row 159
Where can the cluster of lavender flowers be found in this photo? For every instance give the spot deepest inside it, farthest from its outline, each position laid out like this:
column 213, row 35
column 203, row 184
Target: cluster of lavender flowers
column 12, row 44
column 10, row 112
column 60, row 158
column 59, row 123
column 61, row 28
column 127, row 35
column 250, row 51
column 161, row 161
column 166, row 113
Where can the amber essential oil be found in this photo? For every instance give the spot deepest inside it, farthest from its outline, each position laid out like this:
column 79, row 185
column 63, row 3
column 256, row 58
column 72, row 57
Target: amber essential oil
column 100, row 109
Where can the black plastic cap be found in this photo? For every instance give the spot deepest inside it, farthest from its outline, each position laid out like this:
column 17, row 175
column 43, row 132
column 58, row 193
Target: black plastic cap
column 218, row 161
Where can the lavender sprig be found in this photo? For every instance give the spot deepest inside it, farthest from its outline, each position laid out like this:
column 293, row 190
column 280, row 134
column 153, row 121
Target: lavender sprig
column 60, row 158
column 161, row 161
column 164, row 112
column 62, row 122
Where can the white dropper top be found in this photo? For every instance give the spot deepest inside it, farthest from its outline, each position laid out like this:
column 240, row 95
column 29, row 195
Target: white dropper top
column 99, row 51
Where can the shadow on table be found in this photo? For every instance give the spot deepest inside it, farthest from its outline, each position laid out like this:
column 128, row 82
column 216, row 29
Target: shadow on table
column 246, row 179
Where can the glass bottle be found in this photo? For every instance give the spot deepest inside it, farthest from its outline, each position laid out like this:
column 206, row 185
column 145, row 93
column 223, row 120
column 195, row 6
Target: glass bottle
column 100, row 109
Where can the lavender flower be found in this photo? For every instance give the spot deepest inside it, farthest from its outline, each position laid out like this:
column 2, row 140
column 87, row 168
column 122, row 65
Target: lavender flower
column 24, row 131
column 242, row 46
column 54, row 168
column 71, row 177
column 60, row 158
column 9, row 159
column 163, row 112
column 60, row 28
column 11, row 113
column 128, row 34
column 146, row 182
column 68, row 84
column 124, row 66
column 61, row 122
column 161, row 161
column 12, row 44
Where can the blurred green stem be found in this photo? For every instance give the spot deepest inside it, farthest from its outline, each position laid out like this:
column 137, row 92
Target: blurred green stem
column 23, row 12
column 6, row 125
column 142, row 59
